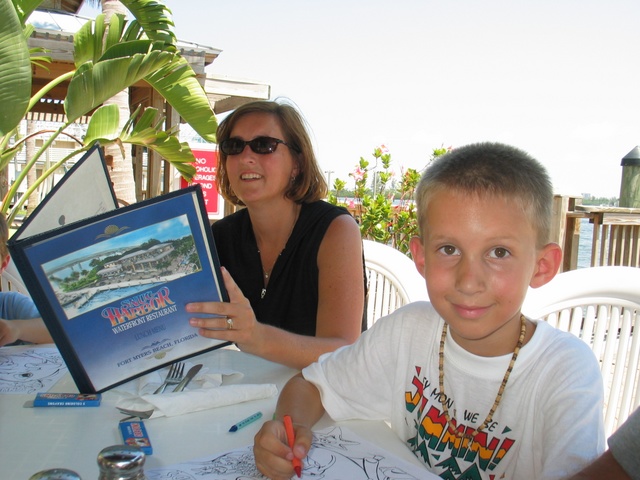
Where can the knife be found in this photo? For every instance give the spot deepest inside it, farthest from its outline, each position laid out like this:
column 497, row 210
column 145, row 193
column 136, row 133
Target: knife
column 190, row 374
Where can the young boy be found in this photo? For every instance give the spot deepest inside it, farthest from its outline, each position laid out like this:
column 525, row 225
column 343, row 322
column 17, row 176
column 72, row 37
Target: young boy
column 18, row 314
column 475, row 389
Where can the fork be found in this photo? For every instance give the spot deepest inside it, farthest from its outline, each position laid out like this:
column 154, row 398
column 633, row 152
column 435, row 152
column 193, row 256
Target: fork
column 131, row 414
column 174, row 377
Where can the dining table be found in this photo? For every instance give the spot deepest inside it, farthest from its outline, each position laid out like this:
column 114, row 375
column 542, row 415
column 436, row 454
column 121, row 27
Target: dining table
column 36, row 439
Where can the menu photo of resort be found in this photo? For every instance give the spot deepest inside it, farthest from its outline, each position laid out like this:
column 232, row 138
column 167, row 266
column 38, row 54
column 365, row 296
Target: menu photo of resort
column 123, row 264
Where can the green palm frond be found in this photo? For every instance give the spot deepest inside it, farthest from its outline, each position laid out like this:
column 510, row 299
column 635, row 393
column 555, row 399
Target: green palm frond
column 178, row 84
column 24, row 9
column 144, row 130
column 15, row 71
column 104, row 125
column 93, row 83
column 108, row 58
column 154, row 18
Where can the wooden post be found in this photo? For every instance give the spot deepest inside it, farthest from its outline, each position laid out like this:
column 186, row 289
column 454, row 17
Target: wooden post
column 630, row 184
column 565, row 229
column 154, row 160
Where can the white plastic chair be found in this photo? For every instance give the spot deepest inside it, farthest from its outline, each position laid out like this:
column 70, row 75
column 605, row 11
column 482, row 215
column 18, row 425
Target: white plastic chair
column 392, row 278
column 11, row 280
column 600, row 305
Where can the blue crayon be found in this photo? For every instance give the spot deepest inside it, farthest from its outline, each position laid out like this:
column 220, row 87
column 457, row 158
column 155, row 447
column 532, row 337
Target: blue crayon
column 246, row 421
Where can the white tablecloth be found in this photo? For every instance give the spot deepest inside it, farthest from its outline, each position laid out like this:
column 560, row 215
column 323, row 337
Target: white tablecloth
column 35, row 439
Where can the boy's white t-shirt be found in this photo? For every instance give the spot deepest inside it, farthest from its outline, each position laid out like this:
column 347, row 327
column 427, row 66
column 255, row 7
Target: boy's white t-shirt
column 548, row 425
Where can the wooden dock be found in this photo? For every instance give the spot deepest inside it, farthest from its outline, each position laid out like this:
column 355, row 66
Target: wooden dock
column 616, row 233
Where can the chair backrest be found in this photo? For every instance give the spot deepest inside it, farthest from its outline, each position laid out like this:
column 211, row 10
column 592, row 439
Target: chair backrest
column 392, row 278
column 600, row 305
column 11, row 280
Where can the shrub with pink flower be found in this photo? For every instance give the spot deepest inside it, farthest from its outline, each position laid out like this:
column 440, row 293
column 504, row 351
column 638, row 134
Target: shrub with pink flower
column 386, row 210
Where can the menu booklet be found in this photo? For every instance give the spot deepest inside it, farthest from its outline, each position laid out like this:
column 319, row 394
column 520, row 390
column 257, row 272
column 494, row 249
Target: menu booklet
column 112, row 287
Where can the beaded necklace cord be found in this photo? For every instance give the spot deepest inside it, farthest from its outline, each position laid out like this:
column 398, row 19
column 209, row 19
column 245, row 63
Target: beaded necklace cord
column 471, row 436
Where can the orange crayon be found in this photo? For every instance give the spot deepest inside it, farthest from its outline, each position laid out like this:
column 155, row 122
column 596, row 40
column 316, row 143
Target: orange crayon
column 288, row 426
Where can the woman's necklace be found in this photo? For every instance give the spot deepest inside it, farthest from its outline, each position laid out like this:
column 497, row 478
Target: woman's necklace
column 471, row 436
column 266, row 274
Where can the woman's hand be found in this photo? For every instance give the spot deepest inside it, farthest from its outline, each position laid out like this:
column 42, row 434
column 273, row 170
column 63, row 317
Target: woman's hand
column 272, row 453
column 235, row 322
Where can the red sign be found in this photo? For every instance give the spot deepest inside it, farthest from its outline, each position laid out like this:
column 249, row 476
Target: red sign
column 206, row 168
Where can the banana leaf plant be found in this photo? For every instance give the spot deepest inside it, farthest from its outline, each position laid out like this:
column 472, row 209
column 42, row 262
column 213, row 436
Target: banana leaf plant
column 108, row 58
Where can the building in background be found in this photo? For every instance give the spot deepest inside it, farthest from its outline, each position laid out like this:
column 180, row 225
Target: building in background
column 55, row 24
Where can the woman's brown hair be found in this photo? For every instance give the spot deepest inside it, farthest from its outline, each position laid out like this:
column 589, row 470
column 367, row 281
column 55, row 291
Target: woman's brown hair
column 309, row 185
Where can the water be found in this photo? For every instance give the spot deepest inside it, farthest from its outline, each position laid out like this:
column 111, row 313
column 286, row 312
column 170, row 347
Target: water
column 109, row 296
column 98, row 299
column 584, row 244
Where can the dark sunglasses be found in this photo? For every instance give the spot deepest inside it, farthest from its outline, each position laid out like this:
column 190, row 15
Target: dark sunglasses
column 260, row 145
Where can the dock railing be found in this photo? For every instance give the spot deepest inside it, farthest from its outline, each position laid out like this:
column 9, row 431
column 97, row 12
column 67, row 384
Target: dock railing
column 616, row 232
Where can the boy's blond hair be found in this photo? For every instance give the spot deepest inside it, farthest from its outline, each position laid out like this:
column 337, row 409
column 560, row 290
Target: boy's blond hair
column 492, row 169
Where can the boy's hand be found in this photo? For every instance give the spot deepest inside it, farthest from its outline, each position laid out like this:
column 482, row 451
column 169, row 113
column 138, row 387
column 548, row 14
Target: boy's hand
column 272, row 452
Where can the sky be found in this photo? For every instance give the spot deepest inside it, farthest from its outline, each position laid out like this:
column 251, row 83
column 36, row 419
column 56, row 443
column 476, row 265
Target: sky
column 559, row 79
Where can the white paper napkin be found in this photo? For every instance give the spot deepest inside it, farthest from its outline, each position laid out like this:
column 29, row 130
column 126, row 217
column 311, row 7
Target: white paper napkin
column 147, row 384
column 206, row 390
column 173, row 404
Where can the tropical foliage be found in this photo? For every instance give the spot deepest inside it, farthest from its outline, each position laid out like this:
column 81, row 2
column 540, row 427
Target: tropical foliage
column 386, row 210
column 108, row 58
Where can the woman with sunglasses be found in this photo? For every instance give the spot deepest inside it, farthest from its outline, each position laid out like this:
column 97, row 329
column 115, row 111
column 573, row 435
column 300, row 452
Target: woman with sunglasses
column 292, row 263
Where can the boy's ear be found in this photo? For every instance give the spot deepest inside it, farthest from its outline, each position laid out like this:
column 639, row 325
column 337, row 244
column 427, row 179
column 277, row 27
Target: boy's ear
column 549, row 260
column 417, row 253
